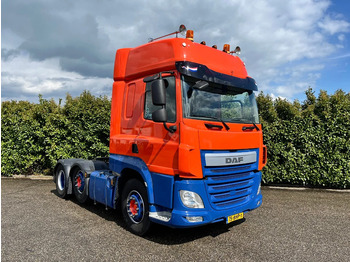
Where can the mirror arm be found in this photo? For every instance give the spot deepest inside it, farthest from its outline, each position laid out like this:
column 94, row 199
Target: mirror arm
column 157, row 76
column 171, row 129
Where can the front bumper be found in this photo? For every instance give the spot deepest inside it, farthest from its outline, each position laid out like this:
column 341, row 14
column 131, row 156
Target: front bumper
column 211, row 213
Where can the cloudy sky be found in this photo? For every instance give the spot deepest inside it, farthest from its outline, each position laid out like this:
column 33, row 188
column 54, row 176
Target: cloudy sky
column 53, row 47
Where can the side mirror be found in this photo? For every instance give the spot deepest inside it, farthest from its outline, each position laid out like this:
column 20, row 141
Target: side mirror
column 158, row 92
column 159, row 99
column 160, row 115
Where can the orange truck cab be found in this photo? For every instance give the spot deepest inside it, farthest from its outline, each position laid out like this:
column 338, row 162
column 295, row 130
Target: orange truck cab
column 186, row 146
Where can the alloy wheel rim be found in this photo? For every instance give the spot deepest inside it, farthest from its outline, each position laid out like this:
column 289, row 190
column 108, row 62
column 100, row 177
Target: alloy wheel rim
column 61, row 180
column 135, row 207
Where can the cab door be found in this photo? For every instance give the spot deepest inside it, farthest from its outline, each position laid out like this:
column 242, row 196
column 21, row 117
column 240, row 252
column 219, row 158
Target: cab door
column 156, row 146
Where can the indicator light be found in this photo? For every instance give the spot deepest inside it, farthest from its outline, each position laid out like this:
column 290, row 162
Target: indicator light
column 264, row 155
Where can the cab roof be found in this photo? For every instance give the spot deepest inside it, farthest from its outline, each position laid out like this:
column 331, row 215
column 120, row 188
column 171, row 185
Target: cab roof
column 162, row 55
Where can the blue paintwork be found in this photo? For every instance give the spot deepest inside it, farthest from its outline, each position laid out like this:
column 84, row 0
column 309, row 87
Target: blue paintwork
column 119, row 162
column 225, row 191
column 209, row 214
column 163, row 190
column 101, row 188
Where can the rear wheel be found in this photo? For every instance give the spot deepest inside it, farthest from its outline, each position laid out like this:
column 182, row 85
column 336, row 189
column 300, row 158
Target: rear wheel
column 80, row 185
column 61, row 182
column 135, row 207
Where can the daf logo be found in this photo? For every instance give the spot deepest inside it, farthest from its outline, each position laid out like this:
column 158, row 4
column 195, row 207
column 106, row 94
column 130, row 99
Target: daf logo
column 232, row 160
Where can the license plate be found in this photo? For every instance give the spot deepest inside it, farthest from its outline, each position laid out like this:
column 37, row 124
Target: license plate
column 234, row 217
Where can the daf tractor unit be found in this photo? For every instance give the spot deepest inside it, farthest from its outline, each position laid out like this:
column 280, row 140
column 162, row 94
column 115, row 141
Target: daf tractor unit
column 186, row 145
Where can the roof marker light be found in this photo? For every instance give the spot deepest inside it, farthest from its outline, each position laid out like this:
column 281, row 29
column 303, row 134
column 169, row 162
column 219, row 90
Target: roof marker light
column 215, row 47
column 203, row 43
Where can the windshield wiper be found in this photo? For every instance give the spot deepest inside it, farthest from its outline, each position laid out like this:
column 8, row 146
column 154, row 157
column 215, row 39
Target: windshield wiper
column 215, row 118
column 251, row 127
column 257, row 128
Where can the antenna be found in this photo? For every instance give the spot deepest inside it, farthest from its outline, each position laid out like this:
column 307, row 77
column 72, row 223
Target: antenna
column 182, row 30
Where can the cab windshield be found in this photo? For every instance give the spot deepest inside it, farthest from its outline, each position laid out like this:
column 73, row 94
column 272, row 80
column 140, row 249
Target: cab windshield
column 215, row 102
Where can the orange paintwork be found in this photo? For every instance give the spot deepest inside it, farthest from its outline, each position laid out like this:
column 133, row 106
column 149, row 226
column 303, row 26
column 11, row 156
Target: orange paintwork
column 195, row 136
column 162, row 151
column 161, row 55
column 157, row 147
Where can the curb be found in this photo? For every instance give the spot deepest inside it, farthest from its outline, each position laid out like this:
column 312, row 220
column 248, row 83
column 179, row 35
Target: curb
column 31, row 177
column 307, row 188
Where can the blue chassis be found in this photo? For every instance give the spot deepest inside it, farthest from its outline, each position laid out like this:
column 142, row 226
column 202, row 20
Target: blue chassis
column 163, row 193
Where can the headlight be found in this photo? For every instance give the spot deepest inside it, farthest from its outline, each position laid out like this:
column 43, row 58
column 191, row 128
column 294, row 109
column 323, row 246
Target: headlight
column 259, row 189
column 191, row 199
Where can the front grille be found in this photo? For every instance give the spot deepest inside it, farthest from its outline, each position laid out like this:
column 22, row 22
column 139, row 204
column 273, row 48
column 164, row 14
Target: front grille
column 229, row 190
column 229, row 187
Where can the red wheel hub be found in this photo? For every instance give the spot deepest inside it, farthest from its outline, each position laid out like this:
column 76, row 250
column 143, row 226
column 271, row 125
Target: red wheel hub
column 79, row 181
column 133, row 207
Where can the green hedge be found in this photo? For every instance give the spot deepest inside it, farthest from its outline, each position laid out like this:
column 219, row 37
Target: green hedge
column 308, row 143
column 35, row 136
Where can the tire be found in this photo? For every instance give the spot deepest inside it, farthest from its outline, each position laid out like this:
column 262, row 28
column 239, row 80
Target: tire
column 61, row 182
column 80, row 186
column 135, row 207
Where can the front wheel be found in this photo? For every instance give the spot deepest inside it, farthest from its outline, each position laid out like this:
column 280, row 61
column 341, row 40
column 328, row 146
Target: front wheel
column 135, row 207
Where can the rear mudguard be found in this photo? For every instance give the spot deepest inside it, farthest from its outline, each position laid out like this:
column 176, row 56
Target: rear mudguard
column 87, row 166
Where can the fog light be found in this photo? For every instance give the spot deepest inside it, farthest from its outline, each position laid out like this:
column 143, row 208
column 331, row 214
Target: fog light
column 191, row 199
column 194, row 219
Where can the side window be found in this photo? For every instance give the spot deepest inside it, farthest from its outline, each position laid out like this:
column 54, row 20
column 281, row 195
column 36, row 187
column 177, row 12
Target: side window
column 170, row 100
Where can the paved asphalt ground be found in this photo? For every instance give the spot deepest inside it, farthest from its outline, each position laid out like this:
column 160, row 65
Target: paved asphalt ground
column 291, row 225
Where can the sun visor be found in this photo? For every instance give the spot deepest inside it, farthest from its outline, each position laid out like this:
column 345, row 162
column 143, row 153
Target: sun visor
column 204, row 73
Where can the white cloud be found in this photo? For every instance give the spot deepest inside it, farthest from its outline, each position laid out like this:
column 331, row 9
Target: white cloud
column 333, row 26
column 282, row 43
column 25, row 79
column 53, row 47
column 342, row 56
